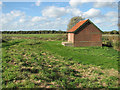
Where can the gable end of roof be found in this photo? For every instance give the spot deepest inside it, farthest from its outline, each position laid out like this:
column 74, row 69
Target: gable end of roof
column 74, row 31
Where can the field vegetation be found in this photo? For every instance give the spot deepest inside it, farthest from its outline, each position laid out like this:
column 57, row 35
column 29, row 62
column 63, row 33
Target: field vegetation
column 112, row 41
column 40, row 61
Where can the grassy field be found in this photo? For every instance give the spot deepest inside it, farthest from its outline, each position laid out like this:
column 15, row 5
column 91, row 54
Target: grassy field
column 41, row 61
column 35, row 35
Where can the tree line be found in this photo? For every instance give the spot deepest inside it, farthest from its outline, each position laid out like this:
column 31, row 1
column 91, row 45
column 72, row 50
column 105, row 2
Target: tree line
column 34, row 32
column 50, row 32
column 111, row 32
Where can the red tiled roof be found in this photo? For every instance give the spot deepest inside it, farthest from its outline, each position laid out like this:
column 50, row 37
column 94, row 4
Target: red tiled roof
column 74, row 28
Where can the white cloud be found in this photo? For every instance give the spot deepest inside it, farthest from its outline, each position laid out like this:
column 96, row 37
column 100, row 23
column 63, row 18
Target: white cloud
column 38, row 3
column 114, row 20
column 56, row 24
column 98, row 21
column 91, row 13
column 13, row 20
column 105, row 4
column 16, row 13
column 74, row 11
column 21, row 20
column 111, row 14
column 9, row 17
column 17, row 20
column 54, row 12
column 75, row 3
column 107, row 21
column 105, row 0
column 6, row 18
column 36, row 19
column 112, row 17
column 0, row 6
column 97, row 3
column 0, row 3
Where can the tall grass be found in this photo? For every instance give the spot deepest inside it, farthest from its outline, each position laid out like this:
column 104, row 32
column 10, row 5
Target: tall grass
column 112, row 40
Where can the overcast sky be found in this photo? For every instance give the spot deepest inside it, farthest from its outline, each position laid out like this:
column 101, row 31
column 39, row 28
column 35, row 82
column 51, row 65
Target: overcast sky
column 40, row 15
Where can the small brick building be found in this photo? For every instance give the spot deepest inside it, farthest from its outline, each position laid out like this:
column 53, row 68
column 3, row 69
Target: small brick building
column 85, row 33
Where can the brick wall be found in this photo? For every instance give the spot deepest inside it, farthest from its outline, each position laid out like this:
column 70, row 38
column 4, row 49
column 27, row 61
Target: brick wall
column 89, row 36
column 71, row 37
